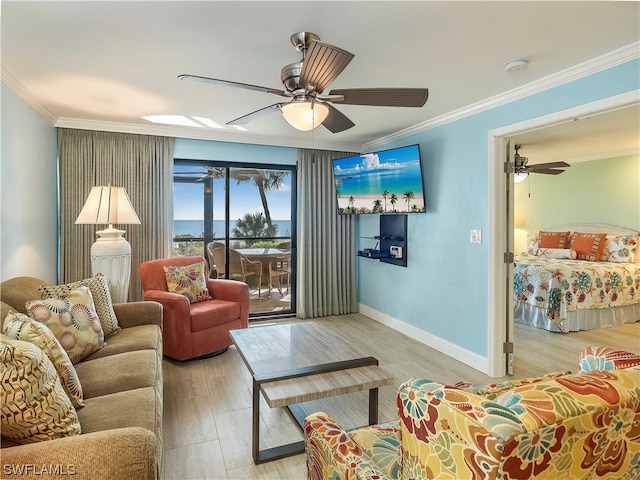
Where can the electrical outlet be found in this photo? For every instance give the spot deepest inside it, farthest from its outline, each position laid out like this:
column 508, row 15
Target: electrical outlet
column 476, row 236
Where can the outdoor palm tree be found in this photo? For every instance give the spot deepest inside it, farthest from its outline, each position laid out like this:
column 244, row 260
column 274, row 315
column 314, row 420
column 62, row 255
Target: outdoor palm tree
column 265, row 180
column 251, row 225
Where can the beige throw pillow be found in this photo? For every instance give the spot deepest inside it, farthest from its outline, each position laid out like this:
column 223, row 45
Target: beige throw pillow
column 20, row 327
column 34, row 405
column 101, row 298
column 73, row 320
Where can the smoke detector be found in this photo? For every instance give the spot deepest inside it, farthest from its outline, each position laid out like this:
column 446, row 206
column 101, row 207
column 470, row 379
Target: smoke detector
column 516, row 65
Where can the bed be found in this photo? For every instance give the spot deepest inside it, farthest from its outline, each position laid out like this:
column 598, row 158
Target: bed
column 559, row 293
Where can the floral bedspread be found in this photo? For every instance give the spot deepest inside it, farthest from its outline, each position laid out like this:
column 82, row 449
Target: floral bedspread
column 561, row 286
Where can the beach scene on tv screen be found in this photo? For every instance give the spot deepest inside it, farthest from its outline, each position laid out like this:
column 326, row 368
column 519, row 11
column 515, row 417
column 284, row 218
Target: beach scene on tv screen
column 383, row 182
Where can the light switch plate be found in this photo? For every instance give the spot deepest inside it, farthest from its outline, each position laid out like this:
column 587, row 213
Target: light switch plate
column 476, row 236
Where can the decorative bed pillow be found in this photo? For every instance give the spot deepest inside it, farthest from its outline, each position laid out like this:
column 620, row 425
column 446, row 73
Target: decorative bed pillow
column 20, row 327
column 554, row 240
column 619, row 249
column 101, row 298
column 560, row 253
column 533, row 240
column 188, row 280
column 73, row 320
column 34, row 405
column 588, row 246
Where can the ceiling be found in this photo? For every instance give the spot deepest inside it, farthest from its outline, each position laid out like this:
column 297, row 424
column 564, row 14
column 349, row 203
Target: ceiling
column 106, row 65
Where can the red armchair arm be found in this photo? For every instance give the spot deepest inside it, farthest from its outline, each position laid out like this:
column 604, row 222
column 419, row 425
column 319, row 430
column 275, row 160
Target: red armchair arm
column 232, row 291
column 176, row 309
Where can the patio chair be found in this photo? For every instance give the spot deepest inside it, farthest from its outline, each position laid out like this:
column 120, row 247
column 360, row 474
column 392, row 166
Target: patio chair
column 240, row 267
column 280, row 268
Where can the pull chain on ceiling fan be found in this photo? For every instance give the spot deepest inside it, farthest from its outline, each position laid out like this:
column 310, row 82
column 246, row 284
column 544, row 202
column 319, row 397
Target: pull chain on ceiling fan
column 305, row 81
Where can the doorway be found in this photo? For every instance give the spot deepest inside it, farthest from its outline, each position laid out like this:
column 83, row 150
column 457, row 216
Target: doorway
column 501, row 222
column 241, row 218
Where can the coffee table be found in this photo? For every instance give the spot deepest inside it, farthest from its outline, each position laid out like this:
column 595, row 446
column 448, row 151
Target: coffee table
column 298, row 362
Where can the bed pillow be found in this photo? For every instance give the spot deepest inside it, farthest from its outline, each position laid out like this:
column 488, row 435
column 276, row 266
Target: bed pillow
column 34, row 405
column 101, row 298
column 554, row 240
column 620, row 249
column 188, row 280
column 73, row 320
column 531, row 246
column 588, row 246
column 21, row 327
column 560, row 253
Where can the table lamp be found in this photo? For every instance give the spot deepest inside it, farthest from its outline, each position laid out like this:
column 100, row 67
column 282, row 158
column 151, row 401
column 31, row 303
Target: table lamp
column 111, row 253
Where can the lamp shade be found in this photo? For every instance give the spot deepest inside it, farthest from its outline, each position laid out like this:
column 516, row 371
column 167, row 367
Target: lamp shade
column 107, row 205
column 304, row 115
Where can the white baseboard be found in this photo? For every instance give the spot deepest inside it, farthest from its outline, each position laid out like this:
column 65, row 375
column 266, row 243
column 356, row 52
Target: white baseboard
column 463, row 355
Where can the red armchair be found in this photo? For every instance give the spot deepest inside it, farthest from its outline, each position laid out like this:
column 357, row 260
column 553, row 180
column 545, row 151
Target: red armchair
column 192, row 330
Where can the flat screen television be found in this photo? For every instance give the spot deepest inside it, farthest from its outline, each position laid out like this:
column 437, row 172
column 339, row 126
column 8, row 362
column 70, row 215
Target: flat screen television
column 388, row 181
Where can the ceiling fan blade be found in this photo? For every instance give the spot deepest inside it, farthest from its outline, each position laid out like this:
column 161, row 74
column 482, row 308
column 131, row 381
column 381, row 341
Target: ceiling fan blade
column 322, row 64
column 336, row 121
column 249, row 117
column 383, row 97
column 228, row 83
column 543, row 166
column 546, row 171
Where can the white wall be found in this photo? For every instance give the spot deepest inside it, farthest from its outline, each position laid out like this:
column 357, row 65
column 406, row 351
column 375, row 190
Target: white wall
column 28, row 192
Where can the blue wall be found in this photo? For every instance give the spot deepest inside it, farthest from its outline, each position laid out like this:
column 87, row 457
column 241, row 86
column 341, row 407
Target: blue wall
column 444, row 290
column 233, row 152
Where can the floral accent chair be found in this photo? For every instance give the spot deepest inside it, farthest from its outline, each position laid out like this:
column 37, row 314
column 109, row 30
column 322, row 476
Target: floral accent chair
column 561, row 425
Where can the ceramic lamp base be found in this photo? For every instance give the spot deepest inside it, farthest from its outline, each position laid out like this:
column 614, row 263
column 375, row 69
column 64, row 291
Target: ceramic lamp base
column 111, row 256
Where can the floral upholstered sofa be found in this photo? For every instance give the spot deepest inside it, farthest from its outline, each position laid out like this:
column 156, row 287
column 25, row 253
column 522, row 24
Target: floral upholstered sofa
column 580, row 426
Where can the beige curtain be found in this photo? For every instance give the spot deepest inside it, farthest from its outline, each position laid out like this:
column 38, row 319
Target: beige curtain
column 143, row 165
column 326, row 268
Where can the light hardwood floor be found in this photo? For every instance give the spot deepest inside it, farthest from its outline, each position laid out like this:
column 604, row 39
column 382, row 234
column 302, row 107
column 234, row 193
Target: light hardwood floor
column 207, row 403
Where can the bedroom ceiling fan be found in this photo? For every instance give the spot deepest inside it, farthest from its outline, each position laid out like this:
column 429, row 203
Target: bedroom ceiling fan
column 305, row 81
column 522, row 169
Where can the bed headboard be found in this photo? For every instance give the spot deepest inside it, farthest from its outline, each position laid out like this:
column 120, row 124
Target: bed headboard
column 594, row 228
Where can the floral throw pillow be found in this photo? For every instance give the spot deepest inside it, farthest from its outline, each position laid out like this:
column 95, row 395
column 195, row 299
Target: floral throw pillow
column 620, row 249
column 188, row 280
column 34, row 405
column 20, row 327
column 73, row 320
column 101, row 298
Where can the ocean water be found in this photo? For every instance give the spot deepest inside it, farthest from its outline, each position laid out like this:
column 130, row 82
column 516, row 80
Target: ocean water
column 196, row 227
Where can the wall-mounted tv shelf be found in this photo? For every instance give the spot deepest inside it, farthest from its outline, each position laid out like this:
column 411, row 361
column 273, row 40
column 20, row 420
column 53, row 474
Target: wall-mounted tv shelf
column 392, row 241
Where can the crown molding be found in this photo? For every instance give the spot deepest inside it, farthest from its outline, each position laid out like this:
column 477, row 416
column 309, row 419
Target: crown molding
column 204, row 134
column 14, row 84
column 595, row 65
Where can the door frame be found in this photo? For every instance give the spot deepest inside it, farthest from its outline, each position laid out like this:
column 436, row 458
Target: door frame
column 499, row 316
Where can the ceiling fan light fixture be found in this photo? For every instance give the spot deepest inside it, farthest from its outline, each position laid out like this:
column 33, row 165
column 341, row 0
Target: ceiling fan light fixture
column 520, row 177
column 305, row 115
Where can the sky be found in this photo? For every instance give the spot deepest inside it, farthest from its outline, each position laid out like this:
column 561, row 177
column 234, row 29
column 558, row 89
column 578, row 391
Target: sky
column 244, row 198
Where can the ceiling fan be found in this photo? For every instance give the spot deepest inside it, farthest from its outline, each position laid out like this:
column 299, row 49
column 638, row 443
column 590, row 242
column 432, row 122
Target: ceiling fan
column 305, row 81
column 522, row 169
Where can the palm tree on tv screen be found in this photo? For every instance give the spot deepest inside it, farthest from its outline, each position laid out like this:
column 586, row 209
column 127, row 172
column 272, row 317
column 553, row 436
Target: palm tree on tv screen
column 408, row 196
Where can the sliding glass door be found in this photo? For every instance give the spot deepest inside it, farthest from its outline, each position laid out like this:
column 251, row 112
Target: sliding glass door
column 241, row 217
